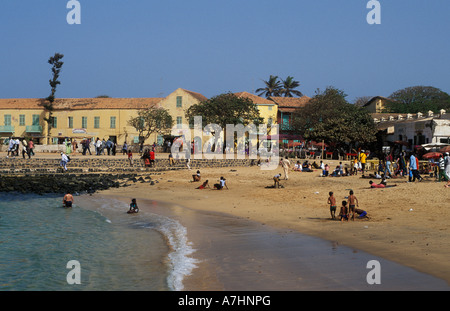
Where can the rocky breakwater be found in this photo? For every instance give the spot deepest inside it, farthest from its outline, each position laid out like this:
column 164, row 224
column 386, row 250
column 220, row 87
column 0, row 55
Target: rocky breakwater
column 64, row 183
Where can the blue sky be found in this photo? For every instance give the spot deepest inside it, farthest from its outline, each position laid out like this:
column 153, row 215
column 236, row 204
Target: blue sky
column 140, row 48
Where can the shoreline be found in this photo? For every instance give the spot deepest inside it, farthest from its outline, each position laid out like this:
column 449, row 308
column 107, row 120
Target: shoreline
column 401, row 229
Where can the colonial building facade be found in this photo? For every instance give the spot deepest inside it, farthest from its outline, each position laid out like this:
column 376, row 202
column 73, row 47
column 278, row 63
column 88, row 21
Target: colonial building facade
column 103, row 118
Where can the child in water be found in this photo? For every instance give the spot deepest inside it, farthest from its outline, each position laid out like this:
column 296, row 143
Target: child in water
column 133, row 207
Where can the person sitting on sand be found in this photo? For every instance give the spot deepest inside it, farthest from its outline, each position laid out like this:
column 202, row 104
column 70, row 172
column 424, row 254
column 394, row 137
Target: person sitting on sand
column 133, row 207
column 196, row 177
column 222, row 184
column 344, row 211
column 204, row 185
column 297, row 167
column 306, row 167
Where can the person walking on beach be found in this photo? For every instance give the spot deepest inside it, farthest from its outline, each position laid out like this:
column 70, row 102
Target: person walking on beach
column 130, row 157
column 64, row 160
column 362, row 159
column 442, row 174
column 30, row 148
column 332, row 202
column 352, row 203
column 286, row 164
column 124, row 148
column 447, row 169
column 414, row 168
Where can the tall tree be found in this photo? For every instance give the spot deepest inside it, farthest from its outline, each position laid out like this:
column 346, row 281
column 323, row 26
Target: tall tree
column 289, row 87
column 416, row 99
column 272, row 88
column 329, row 117
column 48, row 104
column 149, row 121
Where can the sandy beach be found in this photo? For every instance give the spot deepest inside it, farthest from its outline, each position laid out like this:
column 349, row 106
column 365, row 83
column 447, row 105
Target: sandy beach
column 408, row 223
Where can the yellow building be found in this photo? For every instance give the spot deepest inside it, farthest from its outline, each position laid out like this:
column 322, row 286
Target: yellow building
column 105, row 118
column 267, row 108
column 80, row 118
column 377, row 104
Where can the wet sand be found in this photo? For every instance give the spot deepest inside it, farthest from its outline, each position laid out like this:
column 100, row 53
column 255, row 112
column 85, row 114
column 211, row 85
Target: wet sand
column 254, row 238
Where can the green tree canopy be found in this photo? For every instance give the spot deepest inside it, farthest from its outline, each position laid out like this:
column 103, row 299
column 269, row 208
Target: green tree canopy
column 329, row 117
column 225, row 109
column 152, row 120
column 416, row 99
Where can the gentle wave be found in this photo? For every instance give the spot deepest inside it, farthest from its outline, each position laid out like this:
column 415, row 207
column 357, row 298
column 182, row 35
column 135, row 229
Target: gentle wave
column 180, row 264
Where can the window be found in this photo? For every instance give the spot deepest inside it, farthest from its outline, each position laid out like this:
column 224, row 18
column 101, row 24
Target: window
column 70, row 121
column 179, row 101
column 84, row 122
column 21, row 120
column 179, row 122
column 7, row 119
column 96, row 122
column 269, row 121
column 270, row 108
column 112, row 123
column 54, row 122
column 35, row 119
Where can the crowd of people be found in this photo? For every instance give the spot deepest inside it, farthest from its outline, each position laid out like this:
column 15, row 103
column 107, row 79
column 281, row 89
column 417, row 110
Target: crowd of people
column 20, row 146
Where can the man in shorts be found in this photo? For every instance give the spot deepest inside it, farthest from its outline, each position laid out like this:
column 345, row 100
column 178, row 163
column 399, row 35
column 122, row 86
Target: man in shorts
column 68, row 200
column 352, row 203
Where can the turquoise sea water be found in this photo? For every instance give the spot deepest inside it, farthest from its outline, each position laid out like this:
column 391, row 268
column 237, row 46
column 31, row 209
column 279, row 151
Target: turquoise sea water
column 116, row 251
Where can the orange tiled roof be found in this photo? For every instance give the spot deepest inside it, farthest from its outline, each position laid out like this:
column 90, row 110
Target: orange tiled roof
column 196, row 95
column 291, row 102
column 80, row 103
column 255, row 98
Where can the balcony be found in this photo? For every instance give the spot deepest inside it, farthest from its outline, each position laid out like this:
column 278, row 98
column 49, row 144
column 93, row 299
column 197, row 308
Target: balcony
column 6, row 129
column 34, row 129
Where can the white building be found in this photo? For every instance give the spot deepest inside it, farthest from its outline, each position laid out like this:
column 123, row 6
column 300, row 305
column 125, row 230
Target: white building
column 414, row 129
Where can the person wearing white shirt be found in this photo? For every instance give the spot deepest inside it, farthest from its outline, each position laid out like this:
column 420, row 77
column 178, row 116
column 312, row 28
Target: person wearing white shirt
column 64, row 160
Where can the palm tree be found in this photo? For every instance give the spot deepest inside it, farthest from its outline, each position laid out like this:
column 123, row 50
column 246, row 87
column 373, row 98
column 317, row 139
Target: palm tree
column 273, row 87
column 288, row 87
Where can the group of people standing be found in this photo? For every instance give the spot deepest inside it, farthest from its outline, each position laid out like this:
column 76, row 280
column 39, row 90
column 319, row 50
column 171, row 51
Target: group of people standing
column 17, row 146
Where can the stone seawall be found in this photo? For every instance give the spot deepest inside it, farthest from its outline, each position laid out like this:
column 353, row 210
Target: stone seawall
column 44, row 175
column 19, row 165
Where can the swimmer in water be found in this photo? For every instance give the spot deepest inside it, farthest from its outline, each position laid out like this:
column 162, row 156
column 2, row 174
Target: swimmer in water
column 133, row 207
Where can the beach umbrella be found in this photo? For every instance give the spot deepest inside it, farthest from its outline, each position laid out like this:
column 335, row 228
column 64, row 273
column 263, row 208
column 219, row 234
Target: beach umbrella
column 321, row 144
column 432, row 155
column 294, row 144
